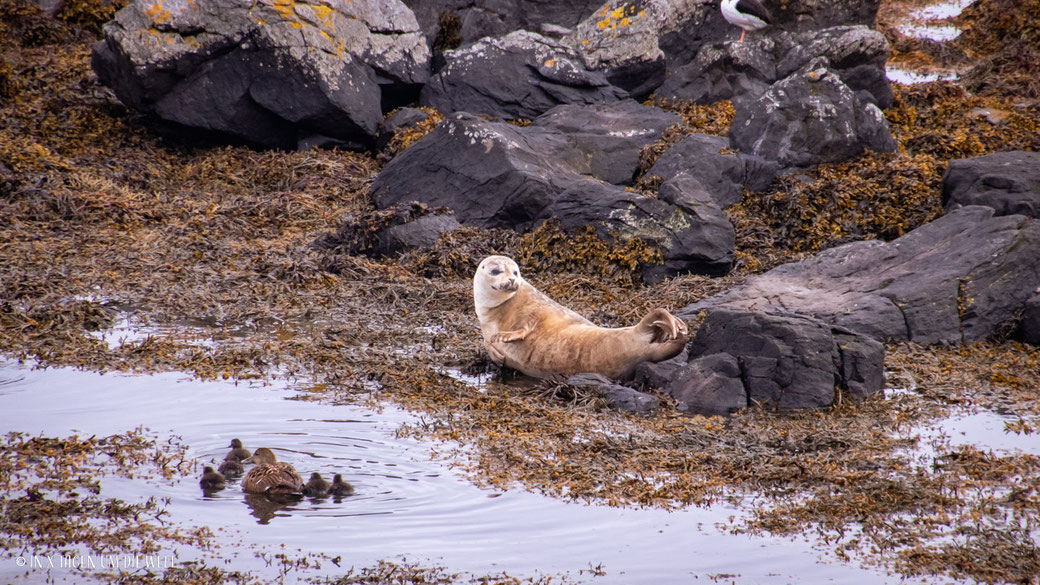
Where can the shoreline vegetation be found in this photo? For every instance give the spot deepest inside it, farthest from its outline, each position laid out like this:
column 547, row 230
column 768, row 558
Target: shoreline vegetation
column 105, row 222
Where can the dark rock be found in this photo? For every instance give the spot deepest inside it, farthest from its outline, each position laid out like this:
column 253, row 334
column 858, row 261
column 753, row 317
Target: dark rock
column 611, row 136
column 723, row 175
column 390, row 231
column 654, row 375
column 400, row 119
column 858, row 362
column 709, row 385
column 496, row 175
column 785, row 361
column 1009, row 182
column 543, row 73
column 616, row 396
column 963, row 277
column 743, row 71
column 484, row 18
column 420, row 233
column 809, row 118
column 262, row 72
column 1029, row 326
column 621, row 39
column 700, row 23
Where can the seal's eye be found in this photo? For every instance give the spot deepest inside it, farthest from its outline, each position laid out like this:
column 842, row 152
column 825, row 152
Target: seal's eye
column 515, row 273
column 495, row 272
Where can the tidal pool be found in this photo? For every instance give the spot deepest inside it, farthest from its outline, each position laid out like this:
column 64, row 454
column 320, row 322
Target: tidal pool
column 409, row 504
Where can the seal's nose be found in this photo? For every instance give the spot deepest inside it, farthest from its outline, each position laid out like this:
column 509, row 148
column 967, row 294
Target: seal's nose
column 512, row 284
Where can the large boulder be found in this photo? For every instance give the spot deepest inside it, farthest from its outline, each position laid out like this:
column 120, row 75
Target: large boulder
column 267, row 72
column 743, row 71
column 1029, row 328
column 621, row 39
column 723, row 174
column 542, row 73
column 477, row 19
column 1009, row 182
column 963, row 277
column 497, row 175
column 808, row 118
column 738, row 358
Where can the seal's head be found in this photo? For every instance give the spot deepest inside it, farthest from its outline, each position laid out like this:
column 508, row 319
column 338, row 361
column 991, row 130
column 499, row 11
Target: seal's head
column 497, row 279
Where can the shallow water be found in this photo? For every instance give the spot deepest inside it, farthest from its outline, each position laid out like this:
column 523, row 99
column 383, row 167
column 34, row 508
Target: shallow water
column 408, row 505
column 929, row 22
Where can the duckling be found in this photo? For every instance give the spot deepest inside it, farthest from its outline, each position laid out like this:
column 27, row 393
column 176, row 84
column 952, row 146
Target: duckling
column 340, row 487
column 231, row 468
column 211, row 480
column 271, row 477
column 238, row 452
column 316, row 486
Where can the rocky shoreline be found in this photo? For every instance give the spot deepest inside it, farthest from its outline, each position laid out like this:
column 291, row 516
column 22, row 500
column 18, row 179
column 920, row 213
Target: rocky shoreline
column 314, row 265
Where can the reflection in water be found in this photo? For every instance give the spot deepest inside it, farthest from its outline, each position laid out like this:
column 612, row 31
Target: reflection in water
column 264, row 507
column 406, row 504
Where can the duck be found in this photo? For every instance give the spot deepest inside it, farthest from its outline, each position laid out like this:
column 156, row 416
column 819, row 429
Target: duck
column 212, row 480
column 340, row 487
column 237, row 452
column 270, row 476
column 747, row 14
column 231, row 467
column 316, row 486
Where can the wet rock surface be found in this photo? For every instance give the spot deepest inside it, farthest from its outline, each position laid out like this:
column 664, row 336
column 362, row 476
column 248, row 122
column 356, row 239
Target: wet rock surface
column 722, row 173
column 264, row 72
column 963, row 277
column 1009, row 182
column 808, row 118
column 615, row 395
column 542, row 73
column 790, row 362
column 743, row 71
column 496, row 175
column 495, row 18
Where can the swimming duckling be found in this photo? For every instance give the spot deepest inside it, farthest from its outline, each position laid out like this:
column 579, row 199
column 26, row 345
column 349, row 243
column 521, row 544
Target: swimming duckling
column 340, row 487
column 231, row 468
column 211, row 480
column 238, row 452
column 270, row 476
column 316, row 486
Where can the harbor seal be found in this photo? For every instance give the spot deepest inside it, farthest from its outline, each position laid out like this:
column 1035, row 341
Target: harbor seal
column 527, row 331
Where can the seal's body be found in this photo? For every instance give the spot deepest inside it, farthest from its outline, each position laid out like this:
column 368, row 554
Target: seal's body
column 525, row 330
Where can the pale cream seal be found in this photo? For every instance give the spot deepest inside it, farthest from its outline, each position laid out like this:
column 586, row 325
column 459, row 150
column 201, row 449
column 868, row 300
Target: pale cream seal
column 525, row 330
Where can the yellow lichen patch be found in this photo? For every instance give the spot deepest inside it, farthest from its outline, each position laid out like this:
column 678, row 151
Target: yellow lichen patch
column 618, row 17
column 550, row 63
column 158, row 13
column 285, row 8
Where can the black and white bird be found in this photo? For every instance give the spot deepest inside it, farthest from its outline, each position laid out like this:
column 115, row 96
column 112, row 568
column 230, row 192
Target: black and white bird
column 747, row 14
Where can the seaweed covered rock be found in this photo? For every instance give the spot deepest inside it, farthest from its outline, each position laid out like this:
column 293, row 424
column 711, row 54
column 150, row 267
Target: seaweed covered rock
column 542, row 73
column 266, row 72
column 808, row 118
column 496, row 175
column 1009, row 182
column 963, row 277
column 743, row 71
column 615, row 395
column 776, row 360
column 723, row 174
column 390, row 231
